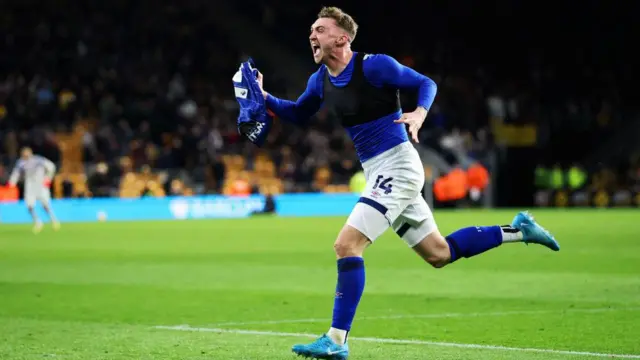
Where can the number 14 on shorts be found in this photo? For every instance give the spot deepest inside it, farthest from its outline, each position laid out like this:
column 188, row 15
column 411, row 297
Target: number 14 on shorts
column 383, row 183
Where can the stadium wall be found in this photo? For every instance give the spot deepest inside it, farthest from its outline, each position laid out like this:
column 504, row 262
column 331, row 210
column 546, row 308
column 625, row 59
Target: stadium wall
column 181, row 208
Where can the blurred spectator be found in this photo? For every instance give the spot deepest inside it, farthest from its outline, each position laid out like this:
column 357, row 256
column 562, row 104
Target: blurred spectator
column 176, row 188
column 153, row 96
column 99, row 182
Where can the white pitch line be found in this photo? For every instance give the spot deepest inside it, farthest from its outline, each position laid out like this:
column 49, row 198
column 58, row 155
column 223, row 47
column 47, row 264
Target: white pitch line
column 428, row 316
column 400, row 341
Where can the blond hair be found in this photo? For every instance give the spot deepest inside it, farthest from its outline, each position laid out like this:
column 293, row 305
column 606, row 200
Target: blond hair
column 343, row 20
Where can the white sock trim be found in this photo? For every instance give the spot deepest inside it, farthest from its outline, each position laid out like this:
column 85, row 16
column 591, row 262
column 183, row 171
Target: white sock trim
column 337, row 335
column 510, row 234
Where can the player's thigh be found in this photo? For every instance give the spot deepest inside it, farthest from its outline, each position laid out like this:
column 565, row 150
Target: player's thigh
column 30, row 197
column 369, row 219
column 417, row 227
column 388, row 192
column 44, row 196
column 350, row 242
column 416, row 222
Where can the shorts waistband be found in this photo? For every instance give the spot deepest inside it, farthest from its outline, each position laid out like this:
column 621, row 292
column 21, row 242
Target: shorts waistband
column 387, row 154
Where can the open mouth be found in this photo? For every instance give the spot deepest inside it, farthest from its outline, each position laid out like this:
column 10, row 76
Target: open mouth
column 316, row 49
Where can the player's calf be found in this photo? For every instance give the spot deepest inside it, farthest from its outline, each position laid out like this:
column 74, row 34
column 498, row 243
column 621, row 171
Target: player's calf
column 434, row 250
column 349, row 247
column 471, row 241
column 32, row 212
column 37, row 224
column 52, row 216
column 439, row 251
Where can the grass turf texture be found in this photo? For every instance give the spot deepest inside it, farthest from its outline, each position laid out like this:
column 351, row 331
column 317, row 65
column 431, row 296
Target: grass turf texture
column 96, row 291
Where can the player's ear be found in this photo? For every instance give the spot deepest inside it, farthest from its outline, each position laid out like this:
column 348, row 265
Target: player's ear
column 342, row 40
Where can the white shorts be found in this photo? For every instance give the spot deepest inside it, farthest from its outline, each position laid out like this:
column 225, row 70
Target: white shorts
column 42, row 194
column 393, row 197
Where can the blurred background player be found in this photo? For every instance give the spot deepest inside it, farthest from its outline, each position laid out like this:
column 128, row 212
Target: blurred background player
column 362, row 91
column 37, row 173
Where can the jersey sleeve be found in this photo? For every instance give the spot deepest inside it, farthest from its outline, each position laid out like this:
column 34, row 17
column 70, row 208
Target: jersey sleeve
column 303, row 108
column 49, row 166
column 15, row 173
column 383, row 70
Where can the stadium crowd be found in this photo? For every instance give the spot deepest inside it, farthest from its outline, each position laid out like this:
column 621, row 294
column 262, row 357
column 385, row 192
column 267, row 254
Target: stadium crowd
column 146, row 89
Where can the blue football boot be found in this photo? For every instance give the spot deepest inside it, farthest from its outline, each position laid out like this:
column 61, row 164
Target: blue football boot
column 323, row 348
column 532, row 232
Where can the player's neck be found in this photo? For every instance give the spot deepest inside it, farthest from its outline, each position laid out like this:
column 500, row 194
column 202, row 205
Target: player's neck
column 338, row 61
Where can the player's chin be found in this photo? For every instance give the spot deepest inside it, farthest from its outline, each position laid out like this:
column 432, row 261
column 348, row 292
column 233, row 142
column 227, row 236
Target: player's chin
column 317, row 59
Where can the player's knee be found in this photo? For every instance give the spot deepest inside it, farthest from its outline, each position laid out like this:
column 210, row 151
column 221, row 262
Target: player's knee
column 342, row 249
column 350, row 242
column 346, row 248
column 438, row 262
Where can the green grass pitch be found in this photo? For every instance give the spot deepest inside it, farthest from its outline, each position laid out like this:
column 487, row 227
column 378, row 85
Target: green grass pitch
column 104, row 290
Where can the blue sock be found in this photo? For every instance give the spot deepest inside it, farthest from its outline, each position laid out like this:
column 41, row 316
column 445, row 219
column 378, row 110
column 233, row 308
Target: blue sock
column 348, row 291
column 474, row 240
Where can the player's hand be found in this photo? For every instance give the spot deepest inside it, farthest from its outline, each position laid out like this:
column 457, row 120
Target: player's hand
column 47, row 182
column 260, row 79
column 414, row 119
